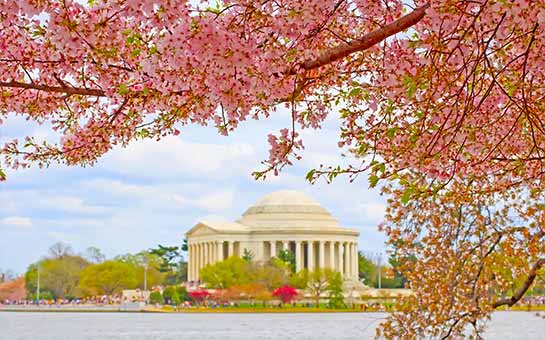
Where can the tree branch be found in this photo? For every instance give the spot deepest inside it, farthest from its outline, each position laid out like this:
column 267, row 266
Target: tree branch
column 326, row 57
column 522, row 290
column 365, row 42
column 57, row 89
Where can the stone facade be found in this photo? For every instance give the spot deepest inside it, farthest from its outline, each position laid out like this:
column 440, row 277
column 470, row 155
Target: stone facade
column 280, row 220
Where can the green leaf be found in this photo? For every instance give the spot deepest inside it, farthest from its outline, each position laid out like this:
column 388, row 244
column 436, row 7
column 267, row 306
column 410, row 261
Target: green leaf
column 373, row 180
column 407, row 196
column 391, row 132
column 310, row 175
column 123, row 89
column 411, row 86
column 135, row 53
column 355, row 92
column 2, row 175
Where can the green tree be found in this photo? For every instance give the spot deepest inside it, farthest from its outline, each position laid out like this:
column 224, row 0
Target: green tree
column 60, row 250
column 172, row 262
column 300, row 279
column 229, row 272
column 168, row 292
column 318, row 282
column 142, row 260
column 288, row 257
column 335, row 290
column 175, row 298
column 94, row 255
column 59, row 276
column 182, row 293
column 248, row 255
column 271, row 274
column 367, row 270
column 108, row 277
column 156, row 298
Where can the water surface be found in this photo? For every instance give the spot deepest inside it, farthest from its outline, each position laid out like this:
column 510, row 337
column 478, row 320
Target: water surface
column 139, row 326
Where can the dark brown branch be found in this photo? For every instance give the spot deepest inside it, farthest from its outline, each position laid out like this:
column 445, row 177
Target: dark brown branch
column 365, row 42
column 522, row 290
column 56, row 89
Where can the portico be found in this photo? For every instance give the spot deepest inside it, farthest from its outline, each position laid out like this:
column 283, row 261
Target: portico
column 284, row 220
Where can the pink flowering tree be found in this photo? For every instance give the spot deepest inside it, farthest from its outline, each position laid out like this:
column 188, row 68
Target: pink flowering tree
column 200, row 296
column 440, row 102
column 286, row 294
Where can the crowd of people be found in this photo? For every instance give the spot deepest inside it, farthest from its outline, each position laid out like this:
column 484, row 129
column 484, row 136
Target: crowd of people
column 534, row 300
column 93, row 300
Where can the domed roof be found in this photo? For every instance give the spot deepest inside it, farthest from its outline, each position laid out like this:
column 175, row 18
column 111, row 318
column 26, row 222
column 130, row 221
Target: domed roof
column 287, row 208
column 285, row 197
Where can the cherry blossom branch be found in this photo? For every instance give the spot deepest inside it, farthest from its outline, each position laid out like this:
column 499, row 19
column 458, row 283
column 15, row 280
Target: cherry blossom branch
column 326, row 57
column 55, row 89
column 367, row 41
column 525, row 286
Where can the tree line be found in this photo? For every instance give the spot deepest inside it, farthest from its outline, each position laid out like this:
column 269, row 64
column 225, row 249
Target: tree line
column 65, row 274
column 237, row 278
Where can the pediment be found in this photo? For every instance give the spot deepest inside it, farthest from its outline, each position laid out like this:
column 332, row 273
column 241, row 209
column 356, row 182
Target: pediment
column 201, row 230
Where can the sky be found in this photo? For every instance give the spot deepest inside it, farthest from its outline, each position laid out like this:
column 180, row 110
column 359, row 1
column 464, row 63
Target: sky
column 151, row 192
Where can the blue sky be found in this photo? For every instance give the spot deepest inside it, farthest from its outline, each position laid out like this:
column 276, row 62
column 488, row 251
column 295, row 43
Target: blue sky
column 152, row 192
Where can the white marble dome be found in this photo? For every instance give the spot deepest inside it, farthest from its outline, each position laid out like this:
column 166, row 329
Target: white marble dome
column 287, row 209
column 283, row 220
column 285, row 197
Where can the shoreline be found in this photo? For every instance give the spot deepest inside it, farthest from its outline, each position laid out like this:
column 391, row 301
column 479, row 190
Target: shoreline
column 290, row 310
column 187, row 311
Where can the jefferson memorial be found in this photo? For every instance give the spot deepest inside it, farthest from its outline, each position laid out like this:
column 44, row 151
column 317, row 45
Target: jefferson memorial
column 280, row 220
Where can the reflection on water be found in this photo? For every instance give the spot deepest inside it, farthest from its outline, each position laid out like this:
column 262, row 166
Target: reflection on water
column 80, row 326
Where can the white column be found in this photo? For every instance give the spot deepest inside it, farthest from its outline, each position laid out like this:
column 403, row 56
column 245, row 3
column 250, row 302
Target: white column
column 260, row 251
column 356, row 262
column 298, row 253
column 341, row 258
column 310, row 255
column 189, row 262
column 201, row 258
column 285, row 245
column 332, row 255
column 199, row 261
column 192, row 261
column 273, row 248
column 208, row 257
column 206, row 254
column 230, row 247
column 349, row 260
column 321, row 254
column 219, row 255
column 213, row 255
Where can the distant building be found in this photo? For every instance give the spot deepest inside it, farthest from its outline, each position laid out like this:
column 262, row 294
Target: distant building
column 280, row 220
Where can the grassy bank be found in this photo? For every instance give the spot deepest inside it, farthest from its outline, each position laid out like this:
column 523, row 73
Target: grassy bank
column 539, row 308
column 244, row 309
column 168, row 309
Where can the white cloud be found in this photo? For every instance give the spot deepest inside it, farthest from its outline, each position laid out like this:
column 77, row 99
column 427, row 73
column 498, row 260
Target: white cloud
column 72, row 204
column 165, row 196
column 18, row 222
column 174, row 157
column 216, row 201
column 26, row 201
column 179, row 199
column 374, row 210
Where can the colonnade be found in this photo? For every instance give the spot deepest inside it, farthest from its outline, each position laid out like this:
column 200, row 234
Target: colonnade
column 205, row 253
column 341, row 256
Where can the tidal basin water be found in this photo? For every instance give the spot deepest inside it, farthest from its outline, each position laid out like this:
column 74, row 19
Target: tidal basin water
column 135, row 326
